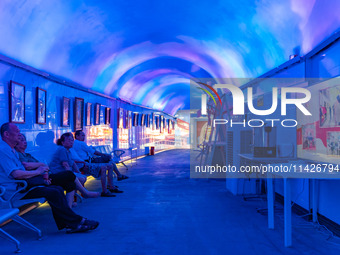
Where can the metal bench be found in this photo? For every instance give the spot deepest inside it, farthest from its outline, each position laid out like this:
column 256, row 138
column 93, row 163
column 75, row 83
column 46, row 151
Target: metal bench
column 9, row 208
column 5, row 215
column 116, row 154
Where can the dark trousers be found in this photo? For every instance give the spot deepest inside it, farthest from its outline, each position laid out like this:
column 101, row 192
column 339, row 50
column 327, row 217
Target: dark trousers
column 65, row 179
column 62, row 213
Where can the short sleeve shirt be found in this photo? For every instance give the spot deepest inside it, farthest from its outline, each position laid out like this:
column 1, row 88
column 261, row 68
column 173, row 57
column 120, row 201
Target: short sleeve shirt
column 9, row 161
column 26, row 157
column 83, row 150
column 61, row 155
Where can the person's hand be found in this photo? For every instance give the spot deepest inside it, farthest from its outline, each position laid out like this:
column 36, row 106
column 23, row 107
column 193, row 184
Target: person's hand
column 43, row 164
column 24, row 164
column 86, row 167
column 42, row 169
column 48, row 182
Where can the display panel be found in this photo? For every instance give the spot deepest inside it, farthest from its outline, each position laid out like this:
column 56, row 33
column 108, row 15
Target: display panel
column 318, row 135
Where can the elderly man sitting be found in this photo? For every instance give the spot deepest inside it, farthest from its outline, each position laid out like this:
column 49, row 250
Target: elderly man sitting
column 85, row 152
column 11, row 168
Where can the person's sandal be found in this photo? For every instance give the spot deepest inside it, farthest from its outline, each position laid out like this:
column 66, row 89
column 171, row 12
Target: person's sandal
column 79, row 229
column 107, row 194
column 115, row 190
column 122, row 177
column 91, row 223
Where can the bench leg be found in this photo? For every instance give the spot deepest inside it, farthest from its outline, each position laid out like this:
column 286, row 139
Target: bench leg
column 28, row 225
column 125, row 165
column 12, row 239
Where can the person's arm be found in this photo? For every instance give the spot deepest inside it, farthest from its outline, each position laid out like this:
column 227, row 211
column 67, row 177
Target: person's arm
column 21, row 174
column 75, row 168
column 32, row 165
column 66, row 166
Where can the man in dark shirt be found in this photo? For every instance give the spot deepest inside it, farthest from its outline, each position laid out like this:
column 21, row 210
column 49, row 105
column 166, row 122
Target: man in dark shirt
column 11, row 169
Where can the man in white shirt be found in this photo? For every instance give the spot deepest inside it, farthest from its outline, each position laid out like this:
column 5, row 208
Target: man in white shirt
column 86, row 152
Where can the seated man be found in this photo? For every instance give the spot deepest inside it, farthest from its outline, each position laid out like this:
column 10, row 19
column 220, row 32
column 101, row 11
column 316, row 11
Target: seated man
column 85, row 152
column 11, row 168
column 97, row 170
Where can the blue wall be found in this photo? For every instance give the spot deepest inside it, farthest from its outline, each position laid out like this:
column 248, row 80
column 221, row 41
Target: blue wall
column 41, row 138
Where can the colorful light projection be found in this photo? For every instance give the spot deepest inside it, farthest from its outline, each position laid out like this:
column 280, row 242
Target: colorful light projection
column 124, row 46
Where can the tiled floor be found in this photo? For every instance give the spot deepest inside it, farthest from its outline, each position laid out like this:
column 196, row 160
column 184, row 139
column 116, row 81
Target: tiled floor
column 163, row 211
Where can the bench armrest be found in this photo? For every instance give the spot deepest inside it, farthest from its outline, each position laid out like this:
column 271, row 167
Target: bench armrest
column 117, row 153
column 21, row 185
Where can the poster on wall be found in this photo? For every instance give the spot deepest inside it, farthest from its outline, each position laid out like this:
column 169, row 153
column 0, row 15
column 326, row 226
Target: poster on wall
column 129, row 113
column 120, row 119
column 329, row 107
column 88, row 114
column 102, row 115
column 65, row 116
column 107, row 116
column 126, row 119
column 97, row 114
column 78, row 113
column 308, row 137
column 333, row 143
column 17, row 103
column 40, row 105
column 142, row 120
column 135, row 119
column 160, row 120
column 156, row 124
column 318, row 133
column 152, row 121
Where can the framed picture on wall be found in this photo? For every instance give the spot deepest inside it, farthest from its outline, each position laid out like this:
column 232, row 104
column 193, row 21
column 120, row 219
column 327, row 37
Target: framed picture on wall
column 147, row 124
column 16, row 102
column 129, row 123
column 150, row 121
column 65, row 112
column 102, row 115
column 88, row 114
column 78, row 113
column 107, row 116
column 40, row 106
column 135, row 119
column 142, row 120
column 120, row 118
column 160, row 120
column 156, row 123
column 97, row 114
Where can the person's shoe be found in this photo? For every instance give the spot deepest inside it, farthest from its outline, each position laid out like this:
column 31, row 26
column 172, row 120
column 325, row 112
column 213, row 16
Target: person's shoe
column 115, row 190
column 122, row 177
column 79, row 229
column 107, row 194
column 91, row 223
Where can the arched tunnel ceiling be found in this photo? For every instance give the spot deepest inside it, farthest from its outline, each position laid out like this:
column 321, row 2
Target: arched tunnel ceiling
column 146, row 51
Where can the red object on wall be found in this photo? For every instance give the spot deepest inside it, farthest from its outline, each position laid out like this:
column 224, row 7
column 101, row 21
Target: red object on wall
column 152, row 150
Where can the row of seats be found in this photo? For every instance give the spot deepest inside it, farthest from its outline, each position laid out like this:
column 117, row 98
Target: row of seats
column 116, row 154
column 10, row 207
column 9, row 210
